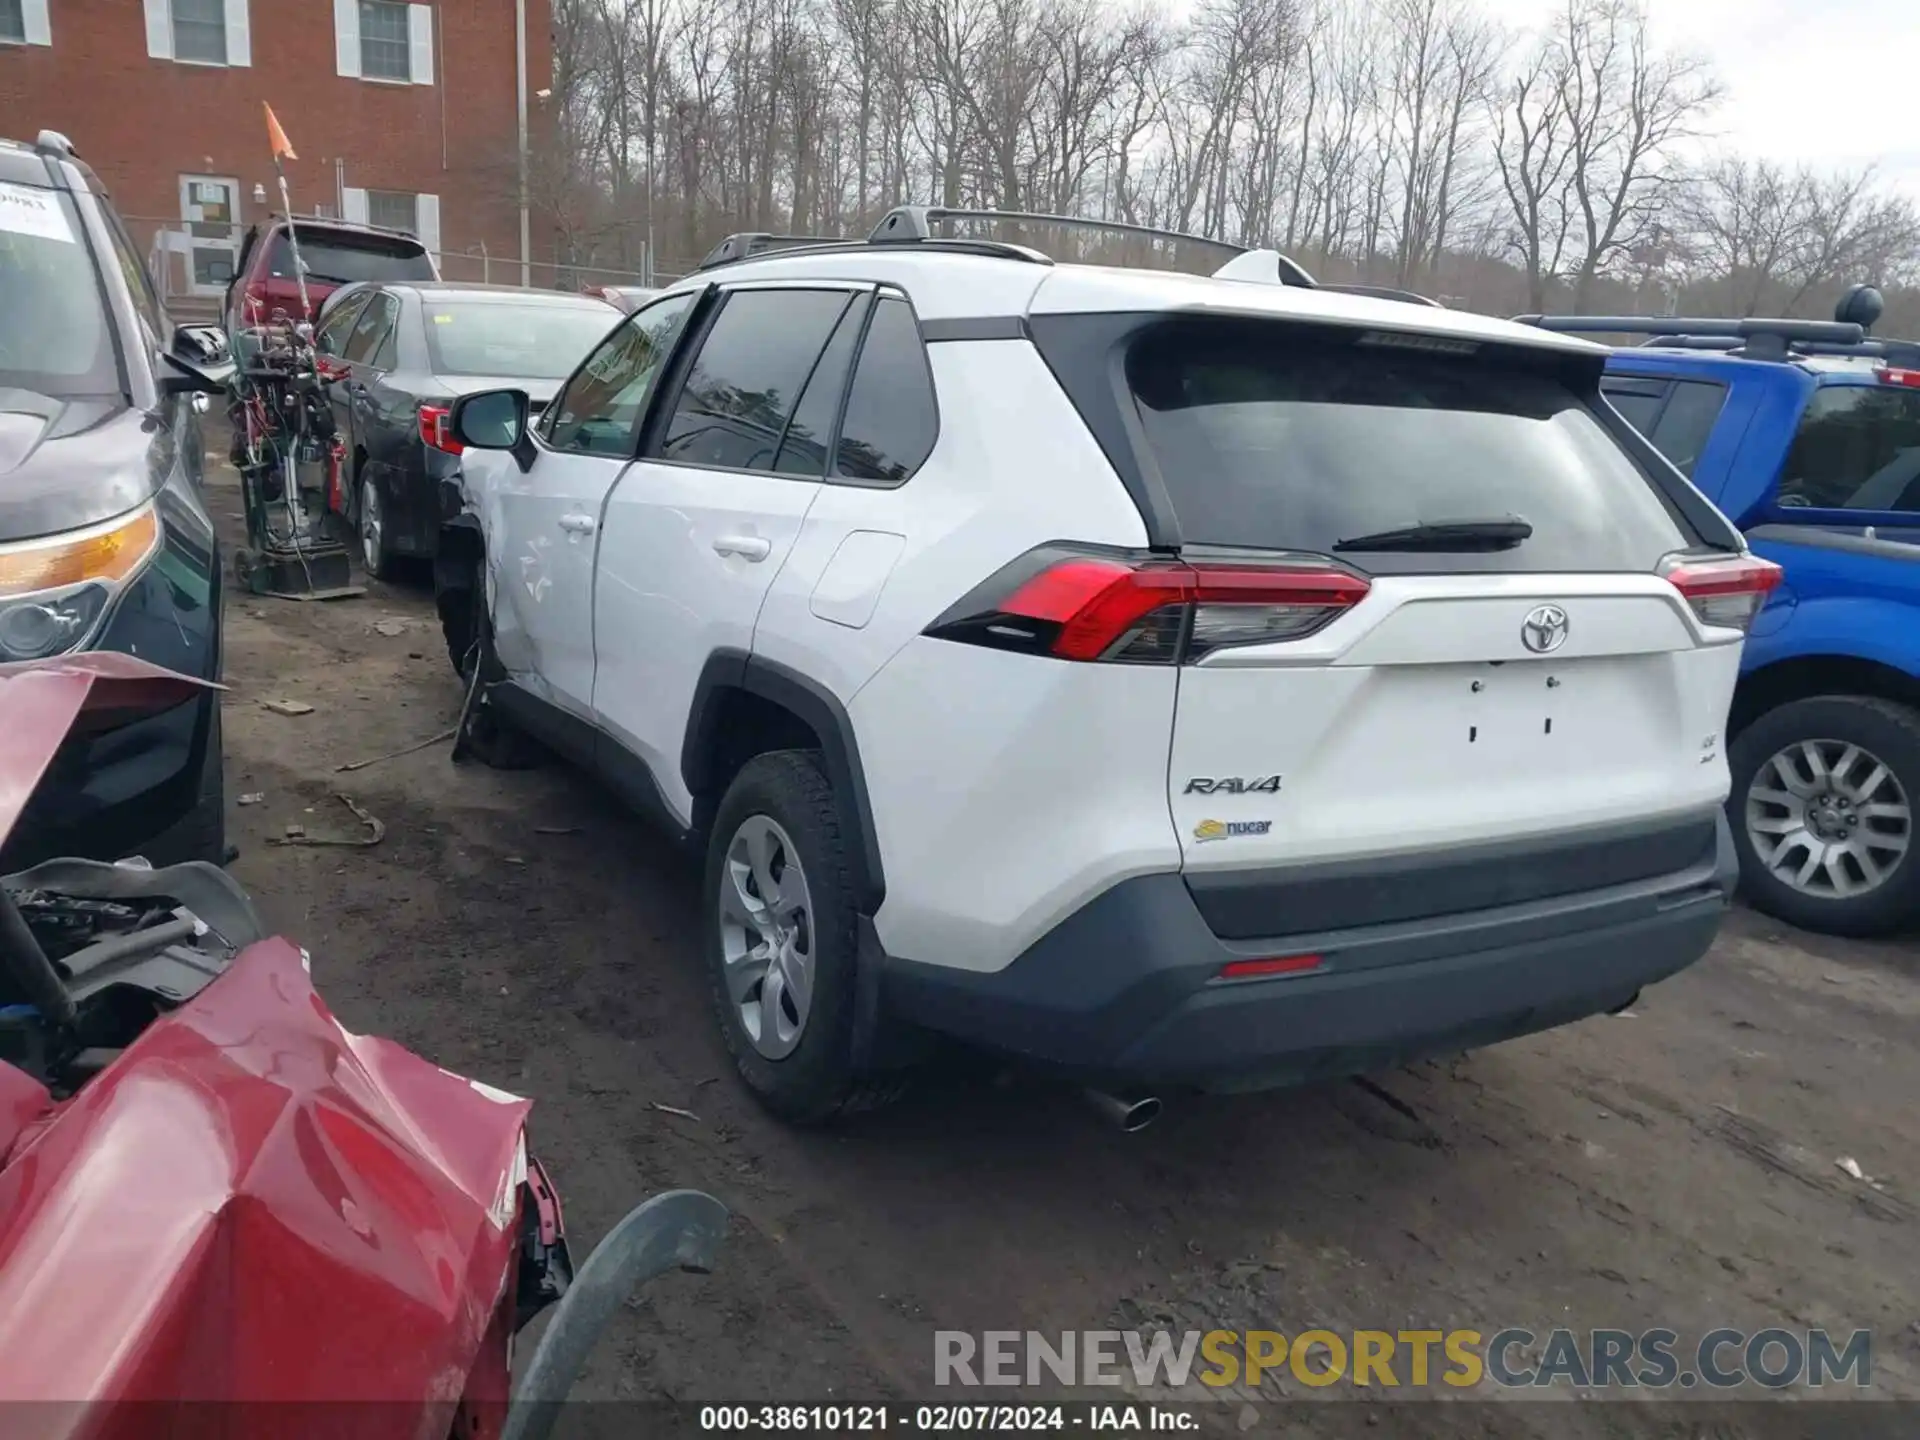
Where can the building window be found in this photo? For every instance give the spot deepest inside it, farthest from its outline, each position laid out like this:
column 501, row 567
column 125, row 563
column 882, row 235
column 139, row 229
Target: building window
column 200, row 31
column 391, row 210
column 197, row 32
column 386, row 49
column 24, row 22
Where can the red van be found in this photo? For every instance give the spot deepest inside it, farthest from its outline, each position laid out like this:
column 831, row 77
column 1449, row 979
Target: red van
column 334, row 252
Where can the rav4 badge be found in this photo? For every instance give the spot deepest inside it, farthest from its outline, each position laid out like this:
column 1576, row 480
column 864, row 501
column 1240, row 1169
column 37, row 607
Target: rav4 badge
column 1234, row 785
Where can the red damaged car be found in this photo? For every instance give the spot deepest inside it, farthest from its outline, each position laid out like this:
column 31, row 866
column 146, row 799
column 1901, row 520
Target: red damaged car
column 221, row 1212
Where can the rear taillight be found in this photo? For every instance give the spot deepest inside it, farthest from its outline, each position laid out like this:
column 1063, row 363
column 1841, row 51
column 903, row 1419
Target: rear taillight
column 1897, row 375
column 436, row 429
column 1726, row 593
column 1077, row 606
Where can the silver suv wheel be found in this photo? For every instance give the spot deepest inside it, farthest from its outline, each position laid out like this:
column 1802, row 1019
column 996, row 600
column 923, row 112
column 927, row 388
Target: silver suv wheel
column 1828, row 819
column 766, row 935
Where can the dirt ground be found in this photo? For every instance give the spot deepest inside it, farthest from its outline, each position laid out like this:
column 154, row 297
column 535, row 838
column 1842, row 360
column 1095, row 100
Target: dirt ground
column 1675, row 1166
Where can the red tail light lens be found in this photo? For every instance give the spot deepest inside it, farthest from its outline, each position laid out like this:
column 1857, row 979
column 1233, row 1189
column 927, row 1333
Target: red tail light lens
column 1725, row 593
column 436, row 429
column 1896, row 375
column 1146, row 611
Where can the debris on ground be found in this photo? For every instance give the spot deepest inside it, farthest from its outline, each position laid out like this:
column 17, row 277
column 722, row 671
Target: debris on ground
column 376, row 831
column 556, row 829
column 1851, row 1166
column 431, row 740
column 253, row 798
column 674, row 1110
column 390, row 627
column 287, row 707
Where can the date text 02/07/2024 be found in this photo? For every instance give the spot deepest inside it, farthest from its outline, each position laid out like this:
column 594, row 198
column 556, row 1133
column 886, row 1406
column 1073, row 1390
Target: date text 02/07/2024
column 853, row 1419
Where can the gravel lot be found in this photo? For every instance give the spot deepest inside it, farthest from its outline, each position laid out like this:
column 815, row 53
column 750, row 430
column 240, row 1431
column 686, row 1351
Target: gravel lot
column 1675, row 1166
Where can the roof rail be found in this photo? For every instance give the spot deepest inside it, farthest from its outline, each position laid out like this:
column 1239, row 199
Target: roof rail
column 744, row 243
column 909, row 223
column 1385, row 292
column 996, row 249
column 1770, row 339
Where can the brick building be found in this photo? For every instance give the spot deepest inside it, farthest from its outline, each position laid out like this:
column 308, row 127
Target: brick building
column 407, row 115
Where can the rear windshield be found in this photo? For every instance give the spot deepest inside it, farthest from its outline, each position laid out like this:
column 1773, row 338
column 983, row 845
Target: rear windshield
column 1280, row 437
column 1858, row 449
column 338, row 259
column 530, row 342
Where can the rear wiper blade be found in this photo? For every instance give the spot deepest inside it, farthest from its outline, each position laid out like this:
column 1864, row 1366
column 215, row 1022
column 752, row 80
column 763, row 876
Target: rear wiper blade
column 1463, row 535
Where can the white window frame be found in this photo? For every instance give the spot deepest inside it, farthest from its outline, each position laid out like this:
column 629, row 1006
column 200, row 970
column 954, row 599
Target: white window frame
column 349, row 59
column 192, row 242
column 356, row 206
column 239, row 28
column 35, row 27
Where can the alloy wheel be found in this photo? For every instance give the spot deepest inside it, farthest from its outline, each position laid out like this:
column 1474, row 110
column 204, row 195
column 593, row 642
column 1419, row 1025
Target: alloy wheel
column 1828, row 819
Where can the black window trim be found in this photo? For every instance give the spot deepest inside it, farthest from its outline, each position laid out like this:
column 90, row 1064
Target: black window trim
column 542, row 429
column 667, row 395
column 851, row 482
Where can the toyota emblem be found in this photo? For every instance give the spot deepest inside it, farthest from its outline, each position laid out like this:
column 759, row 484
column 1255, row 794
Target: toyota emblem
column 1544, row 630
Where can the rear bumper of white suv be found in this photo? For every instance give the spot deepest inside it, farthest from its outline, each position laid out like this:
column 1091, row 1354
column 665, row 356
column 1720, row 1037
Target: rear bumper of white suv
column 1128, row 991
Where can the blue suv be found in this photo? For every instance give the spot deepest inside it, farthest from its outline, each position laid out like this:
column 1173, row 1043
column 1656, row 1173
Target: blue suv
column 1806, row 434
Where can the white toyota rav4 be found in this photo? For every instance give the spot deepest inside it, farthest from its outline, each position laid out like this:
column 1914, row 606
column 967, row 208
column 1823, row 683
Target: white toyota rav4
column 1171, row 681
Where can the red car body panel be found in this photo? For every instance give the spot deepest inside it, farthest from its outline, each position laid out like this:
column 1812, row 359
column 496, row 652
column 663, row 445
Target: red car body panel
column 249, row 1204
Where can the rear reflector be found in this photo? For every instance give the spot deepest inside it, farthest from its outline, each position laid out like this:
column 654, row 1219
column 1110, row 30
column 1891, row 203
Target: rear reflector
column 1725, row 593
column 436, row 429
column 1895, row 375
column 1279, row 965
column 1146, row 611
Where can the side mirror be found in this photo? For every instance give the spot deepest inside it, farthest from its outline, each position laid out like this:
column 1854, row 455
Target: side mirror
column 201, row 344
column 493, row 420
column 183, row 377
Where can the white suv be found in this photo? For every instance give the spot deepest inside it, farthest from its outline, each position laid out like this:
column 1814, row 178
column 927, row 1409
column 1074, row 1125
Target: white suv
column 1171, row 681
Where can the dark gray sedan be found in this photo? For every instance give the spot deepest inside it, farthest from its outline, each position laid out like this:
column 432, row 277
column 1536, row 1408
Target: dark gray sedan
column 396, row 356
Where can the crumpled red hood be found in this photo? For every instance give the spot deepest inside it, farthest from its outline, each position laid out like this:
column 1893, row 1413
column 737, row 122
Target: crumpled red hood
column 253, row 1205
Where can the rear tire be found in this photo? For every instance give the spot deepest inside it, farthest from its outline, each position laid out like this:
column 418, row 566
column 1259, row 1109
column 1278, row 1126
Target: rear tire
column 1778, row 829
column 782, row 808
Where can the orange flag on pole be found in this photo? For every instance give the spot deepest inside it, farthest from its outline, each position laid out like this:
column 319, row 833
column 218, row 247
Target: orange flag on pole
column 276, row 137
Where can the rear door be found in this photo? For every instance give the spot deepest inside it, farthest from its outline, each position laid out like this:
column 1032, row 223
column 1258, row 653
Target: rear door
column 697, row 529
column 1464, row 690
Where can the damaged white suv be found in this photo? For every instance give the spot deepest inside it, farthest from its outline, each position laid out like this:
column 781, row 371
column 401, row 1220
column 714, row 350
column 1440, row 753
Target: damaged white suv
column 1170, row 681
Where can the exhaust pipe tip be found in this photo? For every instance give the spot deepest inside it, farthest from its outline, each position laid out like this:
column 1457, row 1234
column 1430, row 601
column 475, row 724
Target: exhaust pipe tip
column 1130, row 1115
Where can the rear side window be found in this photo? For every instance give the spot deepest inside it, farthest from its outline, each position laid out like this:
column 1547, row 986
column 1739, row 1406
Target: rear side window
column 373, row 326
column 1287, row 438
column 1677, row 418
column 733, row 407
column 891, row 418
column 1858, row 449
column 1638, row 401
column 803, row 450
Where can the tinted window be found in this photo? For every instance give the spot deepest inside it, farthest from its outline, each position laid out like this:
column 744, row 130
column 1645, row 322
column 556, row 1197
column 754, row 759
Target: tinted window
column 1286, row 437
column 55, row 335
column 1858, row 449
column 1682, row 431
column 1638, row 401
column 363, row 342
column 891, row 420
column 748, row 375
column 337, row 259
column 804, row 449
column 133, row 270
column 531, row 342
column 599, row 411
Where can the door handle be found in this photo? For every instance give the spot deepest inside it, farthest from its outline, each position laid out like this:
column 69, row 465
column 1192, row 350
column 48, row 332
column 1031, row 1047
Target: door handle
column 747, row 547
column 576, row 523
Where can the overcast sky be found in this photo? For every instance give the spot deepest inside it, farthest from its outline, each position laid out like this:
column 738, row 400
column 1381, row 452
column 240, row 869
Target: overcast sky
column 1825, row 81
